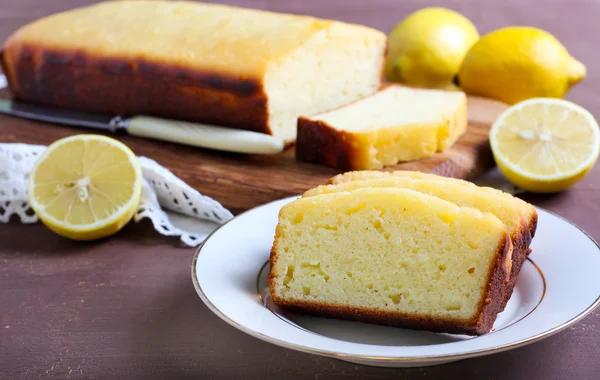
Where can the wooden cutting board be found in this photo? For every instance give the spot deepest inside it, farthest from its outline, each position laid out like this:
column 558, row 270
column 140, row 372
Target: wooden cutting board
column 241, row 182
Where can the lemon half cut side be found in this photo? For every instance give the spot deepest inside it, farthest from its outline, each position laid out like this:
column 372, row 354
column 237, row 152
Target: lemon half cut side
column 545, row 145
column 85, row 187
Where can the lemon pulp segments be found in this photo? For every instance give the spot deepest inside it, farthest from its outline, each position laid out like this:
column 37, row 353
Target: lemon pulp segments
column 85, row 187
column 545, row 145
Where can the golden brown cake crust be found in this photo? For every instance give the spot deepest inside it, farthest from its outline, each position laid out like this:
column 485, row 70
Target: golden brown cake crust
column 119, row 86
column 320, row 143
column 489, row 306
column 521, row 242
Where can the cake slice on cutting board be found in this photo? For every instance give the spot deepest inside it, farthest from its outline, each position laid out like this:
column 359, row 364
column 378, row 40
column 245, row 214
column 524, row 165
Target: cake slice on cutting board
column 391, row 256
column 394, row 125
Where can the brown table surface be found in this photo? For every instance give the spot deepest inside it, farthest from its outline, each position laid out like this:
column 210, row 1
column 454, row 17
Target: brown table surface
column 126, row 308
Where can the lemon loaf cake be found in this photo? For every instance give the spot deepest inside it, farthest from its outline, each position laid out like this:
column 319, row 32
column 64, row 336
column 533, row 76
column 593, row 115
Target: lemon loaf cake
column 391, row 256
column 461, row 193
column 216, row 64
column 395, row 124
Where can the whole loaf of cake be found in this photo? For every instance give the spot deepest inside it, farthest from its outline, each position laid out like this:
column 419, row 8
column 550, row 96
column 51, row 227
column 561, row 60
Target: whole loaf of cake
column 216, row 64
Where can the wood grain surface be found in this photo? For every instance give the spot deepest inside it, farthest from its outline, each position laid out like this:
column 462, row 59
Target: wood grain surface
column 125, row 308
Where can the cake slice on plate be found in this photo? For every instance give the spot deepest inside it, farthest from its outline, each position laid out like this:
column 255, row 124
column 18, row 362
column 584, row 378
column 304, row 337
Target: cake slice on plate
column 391, row 256
column 510, row 210
column 396, row 124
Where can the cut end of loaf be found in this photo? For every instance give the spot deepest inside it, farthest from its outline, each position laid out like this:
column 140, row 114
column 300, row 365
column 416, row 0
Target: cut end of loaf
column 336, row 66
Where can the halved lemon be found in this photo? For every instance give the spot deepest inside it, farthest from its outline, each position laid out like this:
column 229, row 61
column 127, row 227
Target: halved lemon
column 85, row 187
column 545, row 145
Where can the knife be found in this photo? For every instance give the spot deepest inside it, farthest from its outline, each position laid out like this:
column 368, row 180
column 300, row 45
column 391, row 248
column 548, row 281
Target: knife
column 193, row 134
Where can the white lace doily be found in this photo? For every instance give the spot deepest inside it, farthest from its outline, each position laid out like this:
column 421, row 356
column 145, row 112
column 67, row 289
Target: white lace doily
column 161, row 191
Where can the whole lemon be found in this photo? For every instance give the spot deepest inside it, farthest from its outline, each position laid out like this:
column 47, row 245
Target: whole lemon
column 427, row 48
column 517, row 63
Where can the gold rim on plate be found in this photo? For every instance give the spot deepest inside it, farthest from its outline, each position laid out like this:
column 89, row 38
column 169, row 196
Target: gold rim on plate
column 429, row 358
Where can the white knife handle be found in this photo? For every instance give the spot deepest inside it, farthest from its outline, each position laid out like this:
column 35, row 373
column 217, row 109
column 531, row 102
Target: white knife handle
column 205, row 136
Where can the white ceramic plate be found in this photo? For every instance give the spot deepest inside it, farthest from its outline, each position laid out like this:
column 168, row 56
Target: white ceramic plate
column 558, row 286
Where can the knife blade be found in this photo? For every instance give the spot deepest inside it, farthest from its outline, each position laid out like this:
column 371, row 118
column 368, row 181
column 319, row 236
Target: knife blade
column 182, row 132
